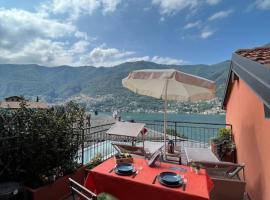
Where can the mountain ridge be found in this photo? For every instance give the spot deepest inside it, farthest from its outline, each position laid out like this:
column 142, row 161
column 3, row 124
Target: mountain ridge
column 56, row 84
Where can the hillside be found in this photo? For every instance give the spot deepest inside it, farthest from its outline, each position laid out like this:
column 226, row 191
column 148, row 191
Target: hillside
column 56, row 84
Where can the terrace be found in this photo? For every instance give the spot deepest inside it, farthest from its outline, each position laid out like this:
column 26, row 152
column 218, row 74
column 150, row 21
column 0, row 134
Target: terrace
column 184, row 135
column 94, row 141
column 60, row 144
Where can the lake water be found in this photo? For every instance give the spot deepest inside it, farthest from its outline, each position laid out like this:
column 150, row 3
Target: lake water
column 220, row 119
column 175, row 117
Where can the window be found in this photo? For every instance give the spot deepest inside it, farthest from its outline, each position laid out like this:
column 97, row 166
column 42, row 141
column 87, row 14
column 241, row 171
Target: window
column 266, row 112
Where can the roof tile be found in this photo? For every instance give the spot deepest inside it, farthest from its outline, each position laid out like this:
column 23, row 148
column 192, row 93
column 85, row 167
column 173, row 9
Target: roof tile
column 260, row 54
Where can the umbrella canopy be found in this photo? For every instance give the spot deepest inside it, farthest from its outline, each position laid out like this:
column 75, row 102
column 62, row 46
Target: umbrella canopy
column 176, row 84
column 169, row 84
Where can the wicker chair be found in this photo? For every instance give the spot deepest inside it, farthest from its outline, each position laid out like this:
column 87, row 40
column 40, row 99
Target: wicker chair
column 228, row 184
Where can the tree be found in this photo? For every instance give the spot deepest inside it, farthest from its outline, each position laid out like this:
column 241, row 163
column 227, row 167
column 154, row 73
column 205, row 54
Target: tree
column 37, row 146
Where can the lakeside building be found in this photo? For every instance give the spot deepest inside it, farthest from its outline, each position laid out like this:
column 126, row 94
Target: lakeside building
column 14, row 102
column 247, row 102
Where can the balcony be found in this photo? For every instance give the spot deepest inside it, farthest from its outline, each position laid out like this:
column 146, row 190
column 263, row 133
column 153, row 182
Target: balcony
column 93, row 141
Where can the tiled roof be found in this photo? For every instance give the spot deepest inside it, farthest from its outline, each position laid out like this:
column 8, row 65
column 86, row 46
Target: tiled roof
column 16, row 105
column 260, row 55
column 251, row 66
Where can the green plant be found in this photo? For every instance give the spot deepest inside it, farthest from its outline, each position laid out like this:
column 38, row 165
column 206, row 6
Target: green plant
column 224, row 142
column 228, row 146
column 193, row 165
column 38, row 146
column 94, row 162
column 225, row 134
column 216, row 140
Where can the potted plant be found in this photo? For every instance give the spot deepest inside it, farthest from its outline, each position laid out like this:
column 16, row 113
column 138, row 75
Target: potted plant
column 214, row 144
column 56, row 187
column 94, row 162
column 195, row 167
column 225, row 134
column 230, row 148
column 223, row 144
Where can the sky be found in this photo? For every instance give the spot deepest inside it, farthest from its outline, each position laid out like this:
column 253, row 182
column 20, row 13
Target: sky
column 110, row 32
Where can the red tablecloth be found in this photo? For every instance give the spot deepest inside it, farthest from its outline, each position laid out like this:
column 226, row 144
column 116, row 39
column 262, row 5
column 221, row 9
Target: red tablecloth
column 127, row 188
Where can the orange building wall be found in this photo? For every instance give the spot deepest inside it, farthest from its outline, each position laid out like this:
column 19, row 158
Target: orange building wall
column 251, row 131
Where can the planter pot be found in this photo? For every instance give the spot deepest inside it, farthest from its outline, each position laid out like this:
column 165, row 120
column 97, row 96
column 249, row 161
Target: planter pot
column 229, row 157
column 214, row 148
column 58, row 189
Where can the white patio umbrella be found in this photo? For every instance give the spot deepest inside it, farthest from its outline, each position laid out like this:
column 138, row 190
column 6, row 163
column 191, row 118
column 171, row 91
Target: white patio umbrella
column 169, row 84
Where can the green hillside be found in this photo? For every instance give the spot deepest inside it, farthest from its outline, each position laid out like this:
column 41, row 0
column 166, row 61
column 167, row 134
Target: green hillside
column 54, row 84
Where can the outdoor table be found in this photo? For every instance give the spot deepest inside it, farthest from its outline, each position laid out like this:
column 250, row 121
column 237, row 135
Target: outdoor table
column 141, row 187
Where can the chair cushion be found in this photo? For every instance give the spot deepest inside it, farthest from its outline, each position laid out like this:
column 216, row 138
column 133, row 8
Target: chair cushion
column 153, row 159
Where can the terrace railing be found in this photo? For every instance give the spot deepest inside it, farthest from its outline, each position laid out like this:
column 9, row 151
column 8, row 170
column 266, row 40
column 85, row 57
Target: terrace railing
column 184, row 134
column 188, row 133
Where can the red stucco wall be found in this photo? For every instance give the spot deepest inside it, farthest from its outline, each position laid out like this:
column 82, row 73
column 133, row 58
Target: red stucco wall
column 251, row 131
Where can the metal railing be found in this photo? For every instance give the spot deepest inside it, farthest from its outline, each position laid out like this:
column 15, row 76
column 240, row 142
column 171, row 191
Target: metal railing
column 93, row 141
column 184, row 134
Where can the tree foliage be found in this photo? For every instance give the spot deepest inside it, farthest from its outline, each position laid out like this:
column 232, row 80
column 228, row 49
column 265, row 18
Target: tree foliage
column 37, row 146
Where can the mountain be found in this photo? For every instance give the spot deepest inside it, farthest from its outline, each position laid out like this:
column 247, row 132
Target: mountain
column 54, row 84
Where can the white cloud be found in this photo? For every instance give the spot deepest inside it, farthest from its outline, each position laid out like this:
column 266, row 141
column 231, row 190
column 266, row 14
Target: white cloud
column 169, row 7
column 262, row 4
column 212, row 2
column 110, row 5
column 40, row 51
column 21, row 23
column 76, row 8
column 206, row 34
column 35, row 38
column 101, row 56
column 81, row 35
column 192, row 25
column 167, row 60
column 80, row 47
column 135, row 59
column 220, row 15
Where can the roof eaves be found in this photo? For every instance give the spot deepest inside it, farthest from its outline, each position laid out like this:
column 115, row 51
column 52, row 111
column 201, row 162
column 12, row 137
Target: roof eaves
column 256, row 76
column 227, row 91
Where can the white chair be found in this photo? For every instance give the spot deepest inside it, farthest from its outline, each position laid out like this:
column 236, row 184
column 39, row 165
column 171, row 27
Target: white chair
column 86, row 194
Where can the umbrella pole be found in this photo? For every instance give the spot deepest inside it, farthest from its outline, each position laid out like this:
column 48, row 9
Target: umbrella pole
column 165, row 118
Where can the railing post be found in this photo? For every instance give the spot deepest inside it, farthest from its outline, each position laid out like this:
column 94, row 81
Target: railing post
column 83, row 145
column 175, row 133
